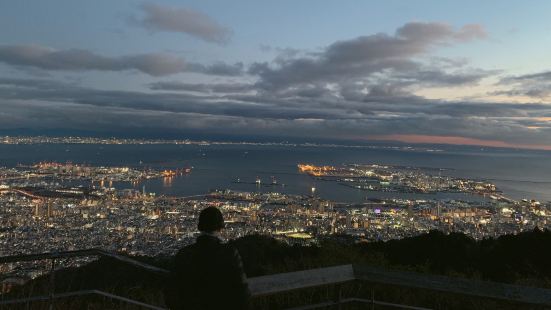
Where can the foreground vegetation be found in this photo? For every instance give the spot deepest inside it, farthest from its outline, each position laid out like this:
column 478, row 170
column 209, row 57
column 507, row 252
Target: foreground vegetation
column 523, row 259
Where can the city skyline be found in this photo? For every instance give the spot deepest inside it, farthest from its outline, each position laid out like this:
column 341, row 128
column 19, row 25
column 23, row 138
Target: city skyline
column 425, row 72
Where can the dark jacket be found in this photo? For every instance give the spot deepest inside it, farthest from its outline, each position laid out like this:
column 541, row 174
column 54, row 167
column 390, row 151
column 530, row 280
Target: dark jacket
column 207, row 275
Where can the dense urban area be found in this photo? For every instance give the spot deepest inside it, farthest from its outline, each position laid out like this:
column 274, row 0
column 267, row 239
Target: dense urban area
column 48, row 207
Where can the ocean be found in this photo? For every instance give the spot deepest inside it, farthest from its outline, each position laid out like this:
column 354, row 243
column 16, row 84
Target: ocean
column 518, row 173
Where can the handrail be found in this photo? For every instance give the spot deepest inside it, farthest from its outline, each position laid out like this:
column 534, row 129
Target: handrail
column 80, row 253
column 78, row 294
column 357, row 300
column 282, row 282
column 485, row 289
column 277, row 283
column 53, row 256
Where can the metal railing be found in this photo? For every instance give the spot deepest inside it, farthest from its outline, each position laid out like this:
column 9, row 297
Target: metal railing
column 279, row 283
column 285, row 282
column 79, row 253
column 53, row 257
column 51, row 298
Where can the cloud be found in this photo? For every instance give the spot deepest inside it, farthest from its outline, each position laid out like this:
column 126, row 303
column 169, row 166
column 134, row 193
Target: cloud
column 535, row 85
column 202, row 87
column 439, row 32
column 436, row 77
column 181, row 20
column 382, row 111
column 219, row 68
column 352, row 89
column 540, row 76
column 154, row 64
column 364, row 56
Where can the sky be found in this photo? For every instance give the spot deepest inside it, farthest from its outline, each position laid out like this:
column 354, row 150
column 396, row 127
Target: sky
column 457, row 72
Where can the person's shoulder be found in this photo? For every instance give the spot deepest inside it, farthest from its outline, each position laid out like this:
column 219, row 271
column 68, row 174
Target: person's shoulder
column 231, row 251
column 229, row 246
column 183, row 258
column 185, row 251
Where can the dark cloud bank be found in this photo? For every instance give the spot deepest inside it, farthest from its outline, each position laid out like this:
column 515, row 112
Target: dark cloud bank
column 351, row 89
column 154, row 64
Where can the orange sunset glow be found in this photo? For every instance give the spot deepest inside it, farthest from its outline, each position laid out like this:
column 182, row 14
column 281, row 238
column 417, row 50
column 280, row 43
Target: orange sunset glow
column 455, row 140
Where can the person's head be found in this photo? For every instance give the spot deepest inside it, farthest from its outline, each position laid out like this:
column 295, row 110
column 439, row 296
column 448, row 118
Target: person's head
column 210, row 220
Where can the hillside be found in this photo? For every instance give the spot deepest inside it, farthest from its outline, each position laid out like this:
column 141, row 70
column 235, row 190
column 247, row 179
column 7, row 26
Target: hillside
column 518, row 259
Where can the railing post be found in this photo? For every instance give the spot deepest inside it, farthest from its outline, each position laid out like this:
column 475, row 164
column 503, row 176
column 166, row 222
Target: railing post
column 337, row 296
column 52, row 285
column 372, row 299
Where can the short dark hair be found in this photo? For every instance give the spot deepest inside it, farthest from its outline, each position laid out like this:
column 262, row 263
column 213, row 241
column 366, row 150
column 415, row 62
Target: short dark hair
column 210, row 219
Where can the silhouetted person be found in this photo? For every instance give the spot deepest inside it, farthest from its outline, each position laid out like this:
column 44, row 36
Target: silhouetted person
column 208, row 274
